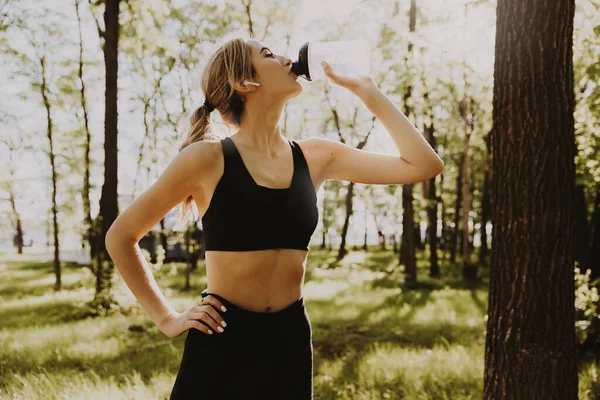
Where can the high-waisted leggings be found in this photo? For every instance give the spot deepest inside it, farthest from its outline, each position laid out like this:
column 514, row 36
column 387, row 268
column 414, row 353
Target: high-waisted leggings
column 260, row 355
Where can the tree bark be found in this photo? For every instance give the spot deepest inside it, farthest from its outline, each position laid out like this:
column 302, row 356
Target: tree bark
column 407, row 242
column 432, row 205
column 109, row 207
column 594, row 254
column 530, row 343
column 582, row 232
column 485, row 204
column 349, row 211
column 85, row 192
column 324, row 219
column 365, row 246
column 49, row 133
column 469, row 270
column 18, row 239
column 444, row 232
column 455, row 230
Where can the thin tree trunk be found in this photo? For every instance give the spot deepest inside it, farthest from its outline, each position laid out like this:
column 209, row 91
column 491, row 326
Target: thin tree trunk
column 457, row 209
column 485, row 204
column 349, row 211
column 407, row 246
column 429, row 194
column 162, row 236
column 582, row 232
column 85, row 193
column 444, row 230
column 49, row 133
column 109, row 207
column 18, row 226
column 380, row 234
column 350, row 194
column 594, row 254
column 469, row 270
column 324, row 218
column 365, row 247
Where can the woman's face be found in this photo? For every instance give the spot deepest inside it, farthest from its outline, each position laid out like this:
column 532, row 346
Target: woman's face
column 273, row 71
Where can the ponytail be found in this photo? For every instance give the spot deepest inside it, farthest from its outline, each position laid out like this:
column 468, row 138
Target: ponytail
column 199, row 128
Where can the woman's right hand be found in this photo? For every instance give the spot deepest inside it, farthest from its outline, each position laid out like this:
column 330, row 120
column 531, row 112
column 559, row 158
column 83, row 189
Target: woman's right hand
column 204, row 310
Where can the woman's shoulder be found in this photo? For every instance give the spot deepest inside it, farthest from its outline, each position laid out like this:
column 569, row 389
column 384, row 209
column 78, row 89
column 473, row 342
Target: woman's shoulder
column 206, row 155
column 206, row 149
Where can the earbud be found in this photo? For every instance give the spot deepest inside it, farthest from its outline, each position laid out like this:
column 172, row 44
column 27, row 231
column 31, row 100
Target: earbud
column 251, row 83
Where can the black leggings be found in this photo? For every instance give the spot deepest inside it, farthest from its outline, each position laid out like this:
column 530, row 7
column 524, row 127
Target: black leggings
column 260, row 355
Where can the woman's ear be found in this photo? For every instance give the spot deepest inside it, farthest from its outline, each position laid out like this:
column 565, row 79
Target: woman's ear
column 245, row 86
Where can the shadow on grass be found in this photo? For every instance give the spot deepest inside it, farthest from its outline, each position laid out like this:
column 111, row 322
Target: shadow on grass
column 27, row 279
column 37, row 314
column 139, row 352
column 335, row 338
column 352, row 341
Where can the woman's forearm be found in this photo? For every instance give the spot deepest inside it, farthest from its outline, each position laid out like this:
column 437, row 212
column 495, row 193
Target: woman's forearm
column 410, row 143
column 137, row 274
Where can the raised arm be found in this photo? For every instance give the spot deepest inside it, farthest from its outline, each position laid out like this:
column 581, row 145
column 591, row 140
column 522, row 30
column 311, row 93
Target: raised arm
column 181, row 178
column 416, row 160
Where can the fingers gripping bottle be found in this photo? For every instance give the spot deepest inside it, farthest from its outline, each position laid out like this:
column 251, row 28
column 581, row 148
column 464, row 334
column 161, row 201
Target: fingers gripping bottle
column 347, row 58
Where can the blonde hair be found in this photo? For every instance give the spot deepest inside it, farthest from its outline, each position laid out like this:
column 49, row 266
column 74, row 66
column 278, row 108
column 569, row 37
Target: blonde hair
column 230, row 63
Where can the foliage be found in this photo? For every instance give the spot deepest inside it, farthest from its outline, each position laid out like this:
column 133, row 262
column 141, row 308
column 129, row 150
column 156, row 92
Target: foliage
column 586, row 305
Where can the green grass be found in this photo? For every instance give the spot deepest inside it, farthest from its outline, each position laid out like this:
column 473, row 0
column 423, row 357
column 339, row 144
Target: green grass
column 372, row 338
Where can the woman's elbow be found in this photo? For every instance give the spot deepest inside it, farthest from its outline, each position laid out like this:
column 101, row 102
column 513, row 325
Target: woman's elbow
column 114, row 237
column 110, row 240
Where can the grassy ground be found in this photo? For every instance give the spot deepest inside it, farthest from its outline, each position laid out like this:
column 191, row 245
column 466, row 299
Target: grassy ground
column 372, row 339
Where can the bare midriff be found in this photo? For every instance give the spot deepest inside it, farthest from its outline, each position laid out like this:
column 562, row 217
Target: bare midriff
column 257, row 280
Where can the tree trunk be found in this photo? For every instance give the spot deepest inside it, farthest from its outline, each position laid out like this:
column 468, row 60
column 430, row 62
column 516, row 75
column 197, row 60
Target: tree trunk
column 162, row 236
column 444, row 231
column 455, row 231
column 324, row 218
column 380, row 234
column 407, row 245
column 530, row 343
column 582, row 233
column 349, row 211
column 593, row 340
column 85, row 192
column 432, row 204
column 109, row 207
column 469, row 270
column 49, row 133
column 365, row 247
column 350, row 199
column 594, row 254
column 18, row 239
column 485, row 204
column 419, row 242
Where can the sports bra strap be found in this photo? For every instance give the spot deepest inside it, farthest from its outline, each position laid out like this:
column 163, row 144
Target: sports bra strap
column 233, row 160
column 231, row 157
column 299, row 161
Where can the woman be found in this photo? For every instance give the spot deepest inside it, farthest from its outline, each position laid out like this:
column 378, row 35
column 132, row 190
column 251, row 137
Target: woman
column 256, row 191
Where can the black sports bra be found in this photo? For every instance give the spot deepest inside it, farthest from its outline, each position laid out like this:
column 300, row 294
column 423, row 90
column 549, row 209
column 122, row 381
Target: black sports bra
column 243, row 215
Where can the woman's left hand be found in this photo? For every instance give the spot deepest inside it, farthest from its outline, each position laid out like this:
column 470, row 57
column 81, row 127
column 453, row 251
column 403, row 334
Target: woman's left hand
column 352, row 83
